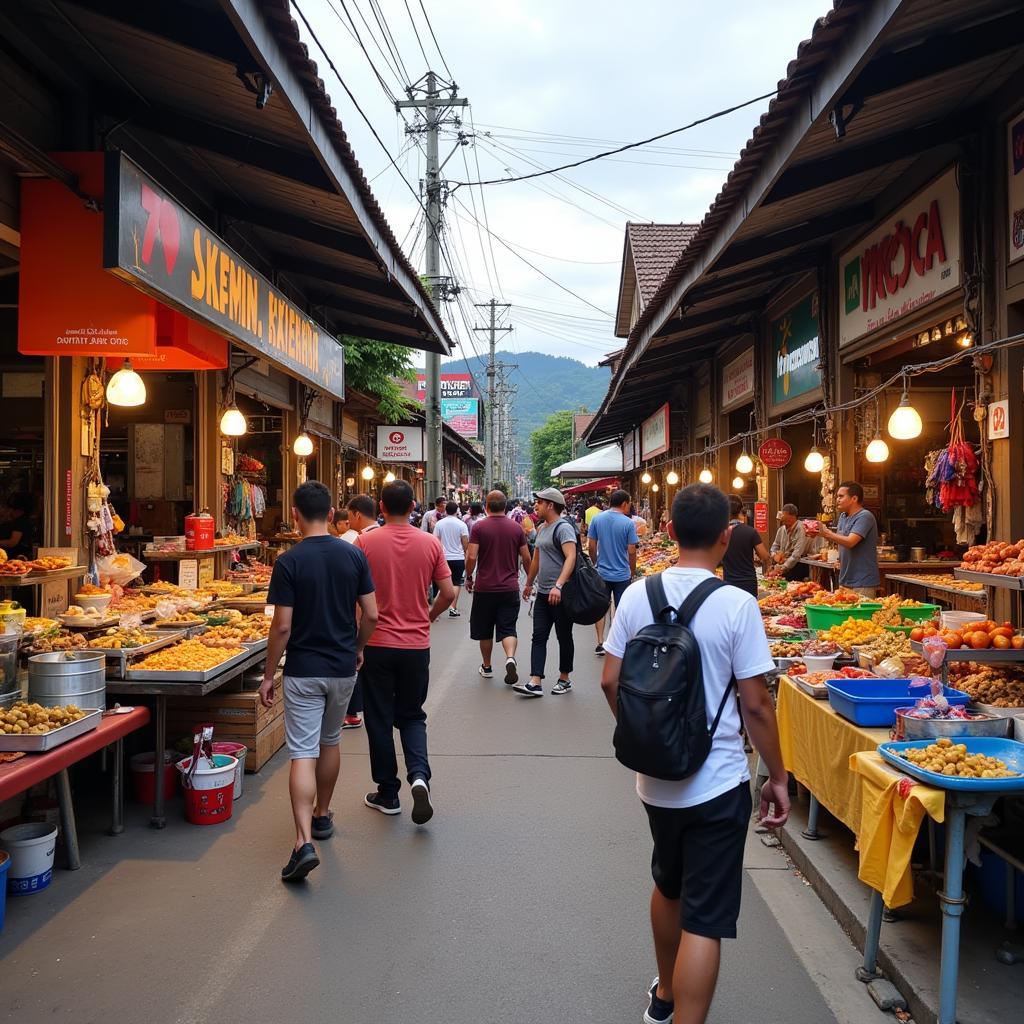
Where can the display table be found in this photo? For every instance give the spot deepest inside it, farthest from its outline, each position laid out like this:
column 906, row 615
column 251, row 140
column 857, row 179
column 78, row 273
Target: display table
column 19, row 775
column 958, row 600
column 176, row 688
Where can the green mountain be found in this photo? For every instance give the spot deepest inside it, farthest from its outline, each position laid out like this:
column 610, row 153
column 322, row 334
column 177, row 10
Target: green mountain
column 544, row 384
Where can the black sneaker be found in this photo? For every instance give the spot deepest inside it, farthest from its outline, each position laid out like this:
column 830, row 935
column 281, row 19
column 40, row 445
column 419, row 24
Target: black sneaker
column 454, row 613
column 382, row 803
column 323, row 825
column 658, row 1011
column 599, row 650
column 562, row 686
column 301, row 862
column 529, row 689
column 486, row 672
column 511, row 672
column 422, row 811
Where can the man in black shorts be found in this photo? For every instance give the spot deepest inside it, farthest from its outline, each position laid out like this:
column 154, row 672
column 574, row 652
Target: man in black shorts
column 699, row 824
column 497, row 547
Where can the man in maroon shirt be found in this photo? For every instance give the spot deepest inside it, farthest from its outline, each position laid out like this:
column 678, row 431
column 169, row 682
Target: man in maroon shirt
column 497, row 547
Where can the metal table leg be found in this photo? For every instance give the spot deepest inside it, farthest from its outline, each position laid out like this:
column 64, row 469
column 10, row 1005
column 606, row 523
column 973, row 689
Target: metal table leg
column 869, row 970
column 117, row 806
column 811, row 832
column 67, row 819
column 159, row 820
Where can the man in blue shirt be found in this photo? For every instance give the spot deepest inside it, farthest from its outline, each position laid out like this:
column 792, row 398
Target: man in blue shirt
column 611, row 544
column 856, row 533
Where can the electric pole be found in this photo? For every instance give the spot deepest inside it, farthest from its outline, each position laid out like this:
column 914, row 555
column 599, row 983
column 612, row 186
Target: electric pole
column 493, row 329
column 435, row 108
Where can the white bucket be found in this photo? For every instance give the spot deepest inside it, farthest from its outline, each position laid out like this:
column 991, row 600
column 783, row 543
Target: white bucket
column 31, row 847
column 954, row 620
column 209, row 778
column 209, row 794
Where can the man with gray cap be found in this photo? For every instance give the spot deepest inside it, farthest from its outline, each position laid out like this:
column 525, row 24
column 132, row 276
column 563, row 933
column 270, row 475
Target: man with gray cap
column 554, row 559
column 790, row 545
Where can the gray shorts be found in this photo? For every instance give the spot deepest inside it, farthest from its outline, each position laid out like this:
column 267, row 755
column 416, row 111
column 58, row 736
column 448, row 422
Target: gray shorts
column 313, row 709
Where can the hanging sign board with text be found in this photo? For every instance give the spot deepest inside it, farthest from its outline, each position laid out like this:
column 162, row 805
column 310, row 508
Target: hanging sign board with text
column 998, row 420
column 796, row 351
column 738, row 381
column 775, row 453
column 153, row 242
column 761, row 516
column 400, row 444
column 629, row 451
column 907, row 261
column 654, row 434
column 1015, row 188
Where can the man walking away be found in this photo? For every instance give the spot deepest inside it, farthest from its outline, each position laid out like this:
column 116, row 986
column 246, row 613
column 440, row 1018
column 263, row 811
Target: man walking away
column 362, row 517
column 554, row 558
column 497, row 547
column 314, row 589
column 611, row 544
column 396, row 666
column 744, row 543
column 429, row 521
column 453, row 535
column 699, row 824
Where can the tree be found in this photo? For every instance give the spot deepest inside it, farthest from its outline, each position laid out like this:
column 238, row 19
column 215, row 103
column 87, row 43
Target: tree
column 376, row 368
column 550, row 446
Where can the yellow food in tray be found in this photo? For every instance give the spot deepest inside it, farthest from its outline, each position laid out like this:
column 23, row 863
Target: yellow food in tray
column 851, row 632
column 187, row 656
column 120, row 638
column 181, row 619
column 35, row 720
column 944, row 757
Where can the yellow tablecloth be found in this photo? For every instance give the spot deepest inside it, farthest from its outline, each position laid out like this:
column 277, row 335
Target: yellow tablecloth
column 837, row 761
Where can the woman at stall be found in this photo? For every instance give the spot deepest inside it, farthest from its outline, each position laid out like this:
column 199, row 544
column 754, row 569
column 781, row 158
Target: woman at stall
column 744, row 543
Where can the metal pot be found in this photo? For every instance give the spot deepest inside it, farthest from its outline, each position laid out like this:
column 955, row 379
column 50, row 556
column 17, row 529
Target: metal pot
column 936, row 728
column 68, row 677
column 917, row 554
column 9, row 661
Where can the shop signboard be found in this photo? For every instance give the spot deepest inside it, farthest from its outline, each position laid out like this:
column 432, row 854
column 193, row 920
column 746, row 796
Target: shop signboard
column 654, row 434
column 796, row 350
column 702, row 402
column 629, row 451
column 738, row 381
column 453, row 385
column 999, row 420
column 1015, row 188
column 462, row 415
column 908, row 260
column 154, row 243
column 761, row 516
column 399, row 444
column 775, row 453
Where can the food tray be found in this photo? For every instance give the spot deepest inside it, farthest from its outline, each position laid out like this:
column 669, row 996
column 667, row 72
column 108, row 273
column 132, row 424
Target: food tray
column 817, row 692
column 123, row 656
column 89, row 624
column 993, row 709
column 50, row 572
column 908, row 728
column 155, row 675
column 989, row 654
column 53, row 738
column 824, row 616
column 990, row 579
column 873, row 702
column 1008, row 751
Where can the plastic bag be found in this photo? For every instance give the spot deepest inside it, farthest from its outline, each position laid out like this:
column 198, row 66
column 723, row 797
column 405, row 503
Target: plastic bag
column 119, row 568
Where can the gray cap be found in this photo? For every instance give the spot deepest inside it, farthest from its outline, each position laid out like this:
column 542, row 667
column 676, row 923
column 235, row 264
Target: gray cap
column 551, row 494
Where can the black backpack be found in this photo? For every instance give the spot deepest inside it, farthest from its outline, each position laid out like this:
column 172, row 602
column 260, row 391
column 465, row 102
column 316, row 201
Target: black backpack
column 662, row 726
column 585, row 596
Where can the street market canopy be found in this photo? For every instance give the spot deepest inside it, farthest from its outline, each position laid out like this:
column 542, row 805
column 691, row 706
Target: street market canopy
column 606, row 483
column 603, row 462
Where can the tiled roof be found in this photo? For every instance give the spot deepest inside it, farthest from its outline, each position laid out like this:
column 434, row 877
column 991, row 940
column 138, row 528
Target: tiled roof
column 656, row 247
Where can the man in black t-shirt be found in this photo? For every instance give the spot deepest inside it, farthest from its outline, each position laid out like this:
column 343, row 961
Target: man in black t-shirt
column 314, row 589
column 744, row 543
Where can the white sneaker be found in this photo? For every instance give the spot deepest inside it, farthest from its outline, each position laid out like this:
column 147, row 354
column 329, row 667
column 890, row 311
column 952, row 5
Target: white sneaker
column 486, row 672
column 511, row 672
column 422, row 811
column 454, row 613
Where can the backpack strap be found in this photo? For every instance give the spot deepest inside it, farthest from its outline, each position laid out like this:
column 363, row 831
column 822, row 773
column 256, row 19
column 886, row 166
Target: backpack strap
column 657, row 598
column 721, row 707
column 696, row 598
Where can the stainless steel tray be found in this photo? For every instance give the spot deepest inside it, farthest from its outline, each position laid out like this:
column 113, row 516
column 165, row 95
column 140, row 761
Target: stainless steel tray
column 990, row 579
column 89, row 625
column 817, row 692
column 259, row 645
column 145, row 675
column 122, row 656
column 54, row 738
column 993, row 709
column 970, row 654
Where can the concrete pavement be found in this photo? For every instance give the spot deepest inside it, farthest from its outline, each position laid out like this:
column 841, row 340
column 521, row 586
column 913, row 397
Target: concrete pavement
column 523, row 900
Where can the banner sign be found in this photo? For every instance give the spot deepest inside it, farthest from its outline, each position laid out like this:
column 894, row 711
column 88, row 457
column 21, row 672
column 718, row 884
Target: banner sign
column 629, row 451
column 462, row 415
column 400, row 444
column 1015, row 188
column 796, row 349
column 738, row 381
column 153, row 242
column 654, row 434
column 904, row 263
column 453, row 385
column 761, row 516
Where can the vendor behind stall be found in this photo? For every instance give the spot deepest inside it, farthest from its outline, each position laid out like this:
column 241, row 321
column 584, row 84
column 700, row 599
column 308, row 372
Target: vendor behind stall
column 791, row 544
column 856, row 533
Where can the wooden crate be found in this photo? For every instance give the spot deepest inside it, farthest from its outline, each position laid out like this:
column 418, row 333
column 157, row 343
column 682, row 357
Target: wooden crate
column 259, row 751
column 241, row 714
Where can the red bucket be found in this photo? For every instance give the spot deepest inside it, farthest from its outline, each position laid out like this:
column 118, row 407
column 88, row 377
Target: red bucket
column 144, row 778
column 199, row 531
column 209, row 795
column 236, row 750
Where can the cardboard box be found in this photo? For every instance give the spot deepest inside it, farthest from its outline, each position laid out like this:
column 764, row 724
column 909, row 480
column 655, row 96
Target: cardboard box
column 241, row 714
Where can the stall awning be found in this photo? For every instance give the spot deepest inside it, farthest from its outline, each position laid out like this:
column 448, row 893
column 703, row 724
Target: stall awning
column 602, row 462
column 606, row 483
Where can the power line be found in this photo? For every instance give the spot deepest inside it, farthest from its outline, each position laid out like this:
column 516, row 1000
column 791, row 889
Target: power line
column 354, row 33
column 623, row 149
column 416, row 32
column 483, row 201
column 389, row 39
column 426, row 18
column 597, row 141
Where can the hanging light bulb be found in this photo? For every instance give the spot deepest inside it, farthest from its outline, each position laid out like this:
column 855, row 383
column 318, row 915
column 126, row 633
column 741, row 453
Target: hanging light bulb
column 705, row 476
column 815, row 461
column 389, row 477
column 672, row 478
column 738, row 483
column 905, row 421
column 877, row 450
column 655, row 488
column 233, row 423
column 965, row 340
column 367, row 473
column 350, row 481
column 646, row 478
column 126, row 387
column 303, row 445
column 744, row 464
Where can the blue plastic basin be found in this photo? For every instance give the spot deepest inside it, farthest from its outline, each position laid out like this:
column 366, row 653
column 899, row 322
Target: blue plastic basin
column 873, row 702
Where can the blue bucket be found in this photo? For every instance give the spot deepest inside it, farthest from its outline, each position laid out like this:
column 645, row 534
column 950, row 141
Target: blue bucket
column 5, row 863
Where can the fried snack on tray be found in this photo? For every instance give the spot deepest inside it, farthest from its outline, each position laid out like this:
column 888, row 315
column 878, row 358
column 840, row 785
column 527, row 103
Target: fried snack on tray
column 1000, row 686
column 187, row 656
column 851, row 632
column 840, row 596
column 33, row 720
column 48, row 563
column 944, row 757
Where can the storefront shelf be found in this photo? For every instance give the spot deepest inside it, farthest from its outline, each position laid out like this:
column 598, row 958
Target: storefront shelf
column 969, row 654
column 180, row 556
column 72, row 573
column 978, row 595
column 990, row 579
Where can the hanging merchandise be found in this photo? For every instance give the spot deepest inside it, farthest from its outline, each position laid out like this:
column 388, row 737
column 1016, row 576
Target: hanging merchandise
column 953, row 479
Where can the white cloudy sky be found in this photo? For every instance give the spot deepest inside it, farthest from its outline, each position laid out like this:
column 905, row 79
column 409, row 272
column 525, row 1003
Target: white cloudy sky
column 550, row 81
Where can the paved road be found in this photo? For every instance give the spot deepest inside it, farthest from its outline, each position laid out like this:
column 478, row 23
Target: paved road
column 523, row 901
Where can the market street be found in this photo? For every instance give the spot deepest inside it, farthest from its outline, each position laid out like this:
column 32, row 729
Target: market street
column 525, row 899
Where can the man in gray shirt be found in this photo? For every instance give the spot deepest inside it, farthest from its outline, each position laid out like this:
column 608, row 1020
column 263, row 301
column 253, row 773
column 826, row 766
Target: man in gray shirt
column 554, row 559
column 856, row 533
column 790, row 544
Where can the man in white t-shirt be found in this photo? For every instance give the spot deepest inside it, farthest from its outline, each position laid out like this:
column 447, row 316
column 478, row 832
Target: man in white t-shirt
column 453, row 534
column 699, row 825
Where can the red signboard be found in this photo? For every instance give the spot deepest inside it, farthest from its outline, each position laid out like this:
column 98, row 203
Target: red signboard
column 775, row 454
column 761, row 516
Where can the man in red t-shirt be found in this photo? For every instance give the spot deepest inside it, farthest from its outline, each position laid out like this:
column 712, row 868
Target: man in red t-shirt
column 404, row 562
column 497, row 547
